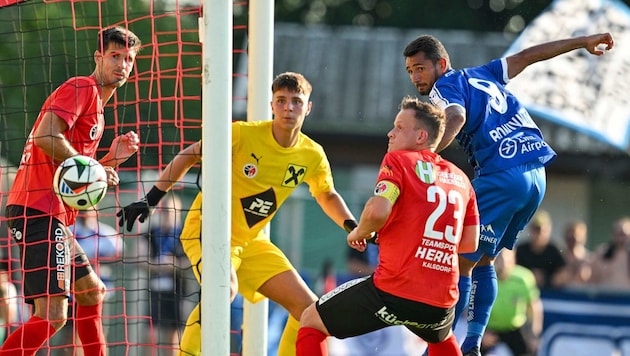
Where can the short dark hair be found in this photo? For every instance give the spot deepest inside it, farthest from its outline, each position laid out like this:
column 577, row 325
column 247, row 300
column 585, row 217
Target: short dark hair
column 431, row 117
column 118, row 35
column 432, row 48
column 292, row 81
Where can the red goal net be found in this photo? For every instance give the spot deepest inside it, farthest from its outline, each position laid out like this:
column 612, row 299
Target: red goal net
column 150, row 286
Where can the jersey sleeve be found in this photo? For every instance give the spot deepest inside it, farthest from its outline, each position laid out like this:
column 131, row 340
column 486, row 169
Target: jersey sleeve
column 70, row 99
column 498, row 68
column 472, row 210
column 322, row 180
column 388, row 184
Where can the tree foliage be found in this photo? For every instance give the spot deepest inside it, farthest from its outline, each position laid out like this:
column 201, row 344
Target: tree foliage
column 45, row 43
column 477, row 15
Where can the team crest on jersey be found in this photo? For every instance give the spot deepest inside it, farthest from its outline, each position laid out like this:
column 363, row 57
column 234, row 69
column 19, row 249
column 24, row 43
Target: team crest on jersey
column 250, row 170
column 259, row 206
column 425, row 171
column 293, row 176
column 94, row 132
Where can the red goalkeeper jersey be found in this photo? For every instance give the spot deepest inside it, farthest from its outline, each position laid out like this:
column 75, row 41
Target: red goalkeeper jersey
column 419, row 242
column 78, row 103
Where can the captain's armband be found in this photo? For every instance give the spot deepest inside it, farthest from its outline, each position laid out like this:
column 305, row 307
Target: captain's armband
column 388, row 190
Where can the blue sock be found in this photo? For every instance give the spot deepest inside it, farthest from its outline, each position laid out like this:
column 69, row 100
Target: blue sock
column 464, row 294
column 483, row 293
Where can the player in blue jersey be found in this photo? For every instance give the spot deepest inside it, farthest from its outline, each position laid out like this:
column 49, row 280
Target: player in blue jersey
column 503, row 144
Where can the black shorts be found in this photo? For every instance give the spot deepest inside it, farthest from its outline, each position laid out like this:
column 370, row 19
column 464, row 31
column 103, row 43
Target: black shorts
column 357, row 307
column 45, row 247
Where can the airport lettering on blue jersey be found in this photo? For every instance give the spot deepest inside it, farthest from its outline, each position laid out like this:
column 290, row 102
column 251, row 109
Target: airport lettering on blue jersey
column 521, row 119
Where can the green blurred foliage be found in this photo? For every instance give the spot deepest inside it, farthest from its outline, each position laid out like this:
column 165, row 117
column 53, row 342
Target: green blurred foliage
column 476, row 15
column 45, row 43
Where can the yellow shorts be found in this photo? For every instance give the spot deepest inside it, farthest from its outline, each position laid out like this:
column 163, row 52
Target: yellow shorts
column 254, row 263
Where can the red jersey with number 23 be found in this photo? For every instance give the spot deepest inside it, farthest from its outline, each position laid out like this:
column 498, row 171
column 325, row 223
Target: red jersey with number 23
column 433, row 201
column 78, row 102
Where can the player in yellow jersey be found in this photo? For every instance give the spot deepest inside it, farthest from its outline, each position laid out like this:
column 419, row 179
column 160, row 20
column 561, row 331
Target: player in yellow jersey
column 269, row 160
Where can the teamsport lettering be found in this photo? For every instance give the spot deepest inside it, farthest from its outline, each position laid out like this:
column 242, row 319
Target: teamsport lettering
column 438, row 244
column 451, row 178
column 392, row 319
column 521, row 119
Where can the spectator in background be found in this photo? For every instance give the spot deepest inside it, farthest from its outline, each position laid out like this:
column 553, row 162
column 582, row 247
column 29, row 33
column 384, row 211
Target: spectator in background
column 611, row 266
column 97, row 239
column 540, row 254
column 517, row 315
column 167, row 262
column 577, row 256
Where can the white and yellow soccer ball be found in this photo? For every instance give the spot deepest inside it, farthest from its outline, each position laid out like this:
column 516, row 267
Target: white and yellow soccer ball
column 80, row 182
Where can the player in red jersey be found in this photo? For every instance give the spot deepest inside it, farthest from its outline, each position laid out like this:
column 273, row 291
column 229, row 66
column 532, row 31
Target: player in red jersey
column 70, row 123
column 425, row 212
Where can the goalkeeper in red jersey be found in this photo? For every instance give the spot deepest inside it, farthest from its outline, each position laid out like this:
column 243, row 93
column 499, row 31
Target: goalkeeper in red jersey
column 269, row 160
column 425, row 212
column 70, row 123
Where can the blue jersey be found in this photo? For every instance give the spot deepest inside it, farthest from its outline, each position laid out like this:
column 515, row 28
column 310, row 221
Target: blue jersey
column 498, row 133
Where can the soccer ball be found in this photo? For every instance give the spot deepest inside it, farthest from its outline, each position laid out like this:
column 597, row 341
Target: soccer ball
column 80, row 182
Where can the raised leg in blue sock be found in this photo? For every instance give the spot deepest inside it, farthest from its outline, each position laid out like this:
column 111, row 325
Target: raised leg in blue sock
column 482, row 295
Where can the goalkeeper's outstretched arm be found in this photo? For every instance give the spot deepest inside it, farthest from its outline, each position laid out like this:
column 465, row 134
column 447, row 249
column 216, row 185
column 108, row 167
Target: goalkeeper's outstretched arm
column 173, row 173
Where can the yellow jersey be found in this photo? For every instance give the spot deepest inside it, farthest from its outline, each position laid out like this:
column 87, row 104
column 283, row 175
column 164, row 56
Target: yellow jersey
column 264, row 174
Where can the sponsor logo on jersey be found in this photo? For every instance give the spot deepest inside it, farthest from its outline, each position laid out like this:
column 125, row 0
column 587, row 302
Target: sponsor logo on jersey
column 425, row 171
column 61, row 259
column 250, row 170
column 293, row 176
column 259, row 207
column 508, row 148
column 520, row 143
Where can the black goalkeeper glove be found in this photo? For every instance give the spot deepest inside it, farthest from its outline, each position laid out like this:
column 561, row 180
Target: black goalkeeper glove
column 350, row 225
column 140, row 209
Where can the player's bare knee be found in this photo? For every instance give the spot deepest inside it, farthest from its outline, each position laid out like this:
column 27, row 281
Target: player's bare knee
column 56, row 315
column 92, row 294
column 58, row 322
column 307, row 315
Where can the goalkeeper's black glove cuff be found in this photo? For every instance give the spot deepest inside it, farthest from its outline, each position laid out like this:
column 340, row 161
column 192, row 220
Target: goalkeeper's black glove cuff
column 154, row 196
column 349, row 225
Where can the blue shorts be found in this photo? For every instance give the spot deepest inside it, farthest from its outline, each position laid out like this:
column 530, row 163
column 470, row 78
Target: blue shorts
column 507, row 200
